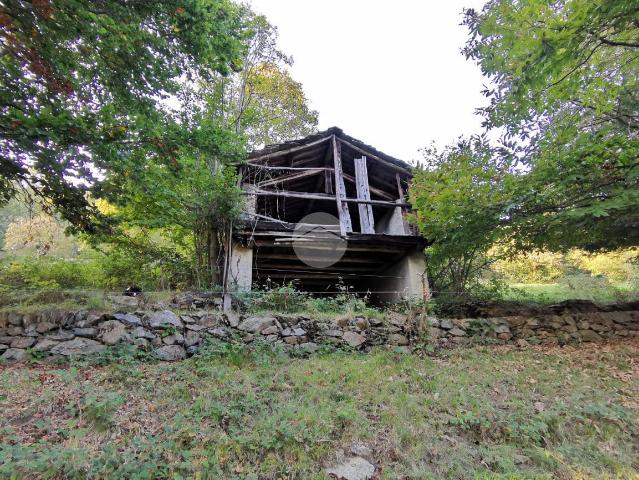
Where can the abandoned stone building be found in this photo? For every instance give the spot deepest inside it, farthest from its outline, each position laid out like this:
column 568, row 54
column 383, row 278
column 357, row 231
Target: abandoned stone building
column 327, row 212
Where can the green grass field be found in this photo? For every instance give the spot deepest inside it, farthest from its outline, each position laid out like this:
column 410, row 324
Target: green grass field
column 231, row 413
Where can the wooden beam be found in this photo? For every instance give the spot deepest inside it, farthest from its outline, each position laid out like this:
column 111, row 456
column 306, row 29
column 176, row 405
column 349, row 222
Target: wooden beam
column 401, row 199
column 340, row 189
column 289, row 177
column 330, row 246
column 374, row 157
column 376, row 191
column 324, row 196
column 279, row 153
column 366, row 219
column 283, row 256
column 268, row 167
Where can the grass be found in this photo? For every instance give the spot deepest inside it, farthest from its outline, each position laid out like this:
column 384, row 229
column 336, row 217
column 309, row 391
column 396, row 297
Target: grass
column 238, row 414
column 546, row 293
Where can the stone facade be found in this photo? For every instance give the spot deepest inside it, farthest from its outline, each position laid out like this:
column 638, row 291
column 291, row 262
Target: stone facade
column 174, row 336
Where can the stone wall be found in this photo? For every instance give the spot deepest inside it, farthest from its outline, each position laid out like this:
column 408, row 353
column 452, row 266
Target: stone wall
column 173, row 336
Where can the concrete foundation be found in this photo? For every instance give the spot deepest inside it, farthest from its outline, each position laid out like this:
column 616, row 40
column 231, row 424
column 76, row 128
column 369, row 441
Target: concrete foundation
column 240, row 268
column 405, row 280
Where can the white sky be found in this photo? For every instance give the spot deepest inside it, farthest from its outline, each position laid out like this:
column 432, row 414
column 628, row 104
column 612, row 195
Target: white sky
column 388, row 73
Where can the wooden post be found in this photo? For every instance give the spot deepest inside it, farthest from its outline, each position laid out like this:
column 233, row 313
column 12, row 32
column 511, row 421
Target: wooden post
column 366, row 219
column 345, row 224
column 402, row 200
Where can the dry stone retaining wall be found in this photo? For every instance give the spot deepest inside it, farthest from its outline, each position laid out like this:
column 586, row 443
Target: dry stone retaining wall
column 173, row 336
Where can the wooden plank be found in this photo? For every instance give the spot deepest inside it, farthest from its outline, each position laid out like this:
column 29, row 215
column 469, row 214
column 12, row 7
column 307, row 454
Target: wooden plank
column 366, row 219
column 340, row 189
column 324, row 196
column 289, row 177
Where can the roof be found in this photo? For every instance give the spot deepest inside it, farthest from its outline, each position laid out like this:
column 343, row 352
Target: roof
column 264, row 153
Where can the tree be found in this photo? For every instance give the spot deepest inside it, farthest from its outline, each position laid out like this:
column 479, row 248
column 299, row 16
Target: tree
column 565, row 90
column 461, row 200
column 181, row 213
column 87, row 88
column 262, row 101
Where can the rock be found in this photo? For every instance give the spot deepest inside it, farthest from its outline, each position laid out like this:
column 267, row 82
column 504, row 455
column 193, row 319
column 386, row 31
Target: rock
column 125, row 300
column 521, row 343
column 333, row 333
column 397, row 339
column 113, row 332
column 569, row 328
column 502, row 329
column 589, row 336
column 256, row 324
column 397, row 319
column 293, row 332
column 15, row 355
column 77, row 346
column 434, row 332
column 90, row 320
column 6, row 339
column 294, row 340
column 128, row 319
column 14, row 318
column 61, row 336
column 45, row 345
column 457, row 332
column 45, row 327
column 270, row 330
column 361, row 323
column 170, row 353
column 532, row 322
column 446, row 324
column 192, row 338
column 195, row 327
column 355, row 468
column 232, row 319
column 599, row 327
column 353, row 339
column 583, row 325
column 88, row 332
column 22, row 342
column 193, row 349
column 174, row 339
column 219, row 332
column 143, row 343
column 164, row 319
column 361, row 449
column 3, row 347
column 15, row 331
column 141, row 332
column 342, row 322
column 309, row 347
column 187, row 319
column 209, row 320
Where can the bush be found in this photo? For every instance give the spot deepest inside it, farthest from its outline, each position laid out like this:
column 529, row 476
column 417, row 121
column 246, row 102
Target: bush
column 51, row 273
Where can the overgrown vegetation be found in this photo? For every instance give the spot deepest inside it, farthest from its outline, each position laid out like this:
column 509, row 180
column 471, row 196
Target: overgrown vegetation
column 562, row 97
column 235, row 413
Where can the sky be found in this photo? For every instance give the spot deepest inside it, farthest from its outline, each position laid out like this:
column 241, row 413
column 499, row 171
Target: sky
column 388, row 73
